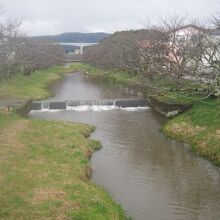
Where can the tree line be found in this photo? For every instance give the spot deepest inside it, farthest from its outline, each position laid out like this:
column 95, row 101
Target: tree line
column 22, row 54
column 171, row 48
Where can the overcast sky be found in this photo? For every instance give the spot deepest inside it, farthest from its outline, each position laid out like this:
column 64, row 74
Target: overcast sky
column 56, row 16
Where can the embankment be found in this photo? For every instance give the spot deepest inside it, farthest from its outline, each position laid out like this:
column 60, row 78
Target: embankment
column 200, row 128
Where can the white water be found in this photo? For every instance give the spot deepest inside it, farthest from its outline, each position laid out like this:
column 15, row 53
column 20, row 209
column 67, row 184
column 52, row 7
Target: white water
column 95, row 108
column 44, row 106
column 98, row 108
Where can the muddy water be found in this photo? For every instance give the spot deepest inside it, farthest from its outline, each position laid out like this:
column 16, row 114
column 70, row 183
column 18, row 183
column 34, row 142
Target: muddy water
column 150, row 176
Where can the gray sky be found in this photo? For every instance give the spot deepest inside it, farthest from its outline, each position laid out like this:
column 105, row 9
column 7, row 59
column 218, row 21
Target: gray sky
column 57, row 16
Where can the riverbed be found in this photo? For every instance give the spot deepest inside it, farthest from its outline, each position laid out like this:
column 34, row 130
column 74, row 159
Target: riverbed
column 151, row 176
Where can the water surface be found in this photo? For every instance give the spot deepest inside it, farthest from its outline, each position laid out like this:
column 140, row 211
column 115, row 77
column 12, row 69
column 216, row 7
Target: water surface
column 150, row 176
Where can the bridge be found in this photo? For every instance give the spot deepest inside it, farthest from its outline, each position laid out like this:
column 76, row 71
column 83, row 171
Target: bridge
column 81, row 45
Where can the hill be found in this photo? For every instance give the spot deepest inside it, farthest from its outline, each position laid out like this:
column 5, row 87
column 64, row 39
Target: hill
column 75, row 37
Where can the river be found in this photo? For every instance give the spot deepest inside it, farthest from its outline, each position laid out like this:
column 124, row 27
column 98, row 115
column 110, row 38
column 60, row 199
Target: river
column 152, row 177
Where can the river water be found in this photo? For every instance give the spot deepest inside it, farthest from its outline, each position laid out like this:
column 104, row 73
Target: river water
column 153, row 178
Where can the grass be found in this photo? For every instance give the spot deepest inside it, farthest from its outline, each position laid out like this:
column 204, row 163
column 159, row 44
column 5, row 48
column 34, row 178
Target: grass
column 34, row 86
column 200, row 128
column 44, row 165
column 116, row 76
column 44, row 172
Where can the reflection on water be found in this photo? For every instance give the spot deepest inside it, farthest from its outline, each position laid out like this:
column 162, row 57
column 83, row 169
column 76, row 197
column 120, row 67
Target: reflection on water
column 151, row 176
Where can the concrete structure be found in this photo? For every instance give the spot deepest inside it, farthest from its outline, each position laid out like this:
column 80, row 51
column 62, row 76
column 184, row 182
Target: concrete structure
column 121, row 103
column 77, row 52
column 80, row 45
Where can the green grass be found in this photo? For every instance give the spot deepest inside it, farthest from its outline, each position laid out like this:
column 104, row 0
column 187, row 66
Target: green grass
column 45, row 169
column 34, row 86
column 199, row 127
column 116, row 76
column 178, row 98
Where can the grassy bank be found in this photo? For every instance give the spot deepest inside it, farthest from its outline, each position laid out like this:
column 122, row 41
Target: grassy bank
column 45, row 169
column 44, row 165
column 34, row 86
column 120, row 77
column 199, row 127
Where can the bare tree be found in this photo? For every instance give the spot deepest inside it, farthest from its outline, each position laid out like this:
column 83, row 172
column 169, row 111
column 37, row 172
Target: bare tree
column 175, row 50
column 216, row 21
column 37, row 54
column 119, row 51
column 209, row 46
column 151, row 52
column 171, row 48
column 8, row 34
column 19, row 53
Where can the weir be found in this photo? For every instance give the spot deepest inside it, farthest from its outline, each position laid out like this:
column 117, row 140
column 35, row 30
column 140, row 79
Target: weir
column 45, row 106
column 68, row 104
column 71, row 103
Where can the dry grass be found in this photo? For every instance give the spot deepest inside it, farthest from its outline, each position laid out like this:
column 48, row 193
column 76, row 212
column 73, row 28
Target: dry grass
column 41, row 195
column 186, row 129
column 9, row 136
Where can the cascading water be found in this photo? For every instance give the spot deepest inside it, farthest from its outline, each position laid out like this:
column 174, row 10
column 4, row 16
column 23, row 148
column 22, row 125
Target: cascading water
column 90, row 105
column 93, row 105
column 45, row 106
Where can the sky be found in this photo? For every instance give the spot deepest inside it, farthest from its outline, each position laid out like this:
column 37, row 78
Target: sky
column 40, row 17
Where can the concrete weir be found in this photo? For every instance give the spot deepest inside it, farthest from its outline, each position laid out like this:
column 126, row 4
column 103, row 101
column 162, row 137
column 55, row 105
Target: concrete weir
column 125, row 103
column 59, row 105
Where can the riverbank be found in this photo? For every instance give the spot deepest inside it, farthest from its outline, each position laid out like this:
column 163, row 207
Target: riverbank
column 45, row 172
column 45, row 167
column 199, row 127
column 34, row 86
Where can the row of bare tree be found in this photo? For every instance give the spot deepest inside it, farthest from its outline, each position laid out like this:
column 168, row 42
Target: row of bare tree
column 19, row 53
column 174, row 48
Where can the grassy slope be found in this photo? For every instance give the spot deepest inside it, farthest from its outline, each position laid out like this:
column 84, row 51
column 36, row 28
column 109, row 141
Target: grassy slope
column 44, row 165
column 199, row 127
column 121, row 77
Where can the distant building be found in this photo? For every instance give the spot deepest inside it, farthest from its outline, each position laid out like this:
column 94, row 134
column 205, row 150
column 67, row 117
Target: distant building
column 186, row 32
column 77, row 52
column 215, row 33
